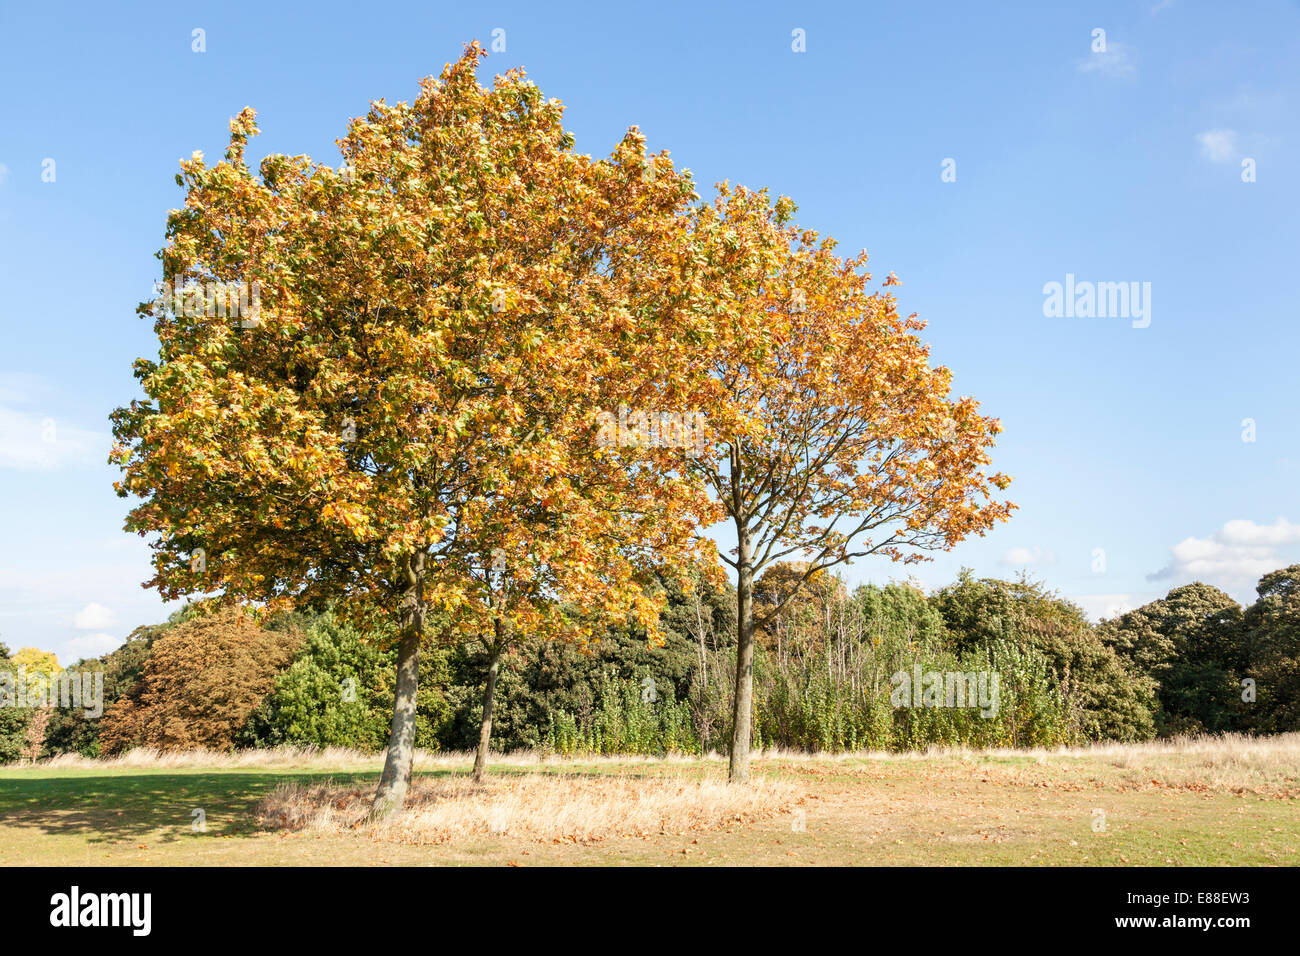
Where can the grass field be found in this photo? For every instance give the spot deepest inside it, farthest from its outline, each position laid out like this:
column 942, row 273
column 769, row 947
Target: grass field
column 1213, row 801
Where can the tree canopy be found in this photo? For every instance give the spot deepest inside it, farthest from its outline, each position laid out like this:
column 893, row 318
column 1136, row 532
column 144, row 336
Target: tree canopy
column 439, row 325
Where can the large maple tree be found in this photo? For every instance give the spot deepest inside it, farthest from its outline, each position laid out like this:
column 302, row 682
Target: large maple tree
column 441, row 321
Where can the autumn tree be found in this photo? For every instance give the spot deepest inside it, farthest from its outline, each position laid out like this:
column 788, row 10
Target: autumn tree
column 201, row 682
column 832, row 436
column 438, row 324
column 41, row 668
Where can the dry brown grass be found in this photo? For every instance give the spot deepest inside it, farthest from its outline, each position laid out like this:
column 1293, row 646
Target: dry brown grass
column 292, row 757
column 1225, row 763
column 1258, row 765
column 1235, row 764
column 270, row 758
column 1283, row 747
column 551, row 807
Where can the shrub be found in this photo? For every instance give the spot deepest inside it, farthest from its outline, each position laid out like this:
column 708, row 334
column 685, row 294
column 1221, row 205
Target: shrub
column 627, row 719
column 1113, row 699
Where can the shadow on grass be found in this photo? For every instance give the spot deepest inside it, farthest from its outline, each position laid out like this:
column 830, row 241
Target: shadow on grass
column 128, row 806
column 125, row 807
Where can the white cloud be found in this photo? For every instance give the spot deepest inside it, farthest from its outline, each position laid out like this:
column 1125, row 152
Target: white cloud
column 1024, row 557
column 1119, row 61
column 1218, row 145
column 1234, row 557
column 1243, row 532
column 90, row 645
column 31, row 442
column 93, row 617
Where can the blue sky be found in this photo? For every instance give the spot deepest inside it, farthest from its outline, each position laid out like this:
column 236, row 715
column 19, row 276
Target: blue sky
column 1115, row 166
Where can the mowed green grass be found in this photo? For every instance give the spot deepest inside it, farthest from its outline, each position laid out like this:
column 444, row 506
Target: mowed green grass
column 960, row 810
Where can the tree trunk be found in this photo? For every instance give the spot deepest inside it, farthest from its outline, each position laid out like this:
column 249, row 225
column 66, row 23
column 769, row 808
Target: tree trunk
column 391, row 795
column 485, row 731
column 738, row 771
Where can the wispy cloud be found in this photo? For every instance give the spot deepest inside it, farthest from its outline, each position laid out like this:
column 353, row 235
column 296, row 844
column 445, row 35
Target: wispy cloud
column 33, row 442
column 1024, row 557
column 1218, row 145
